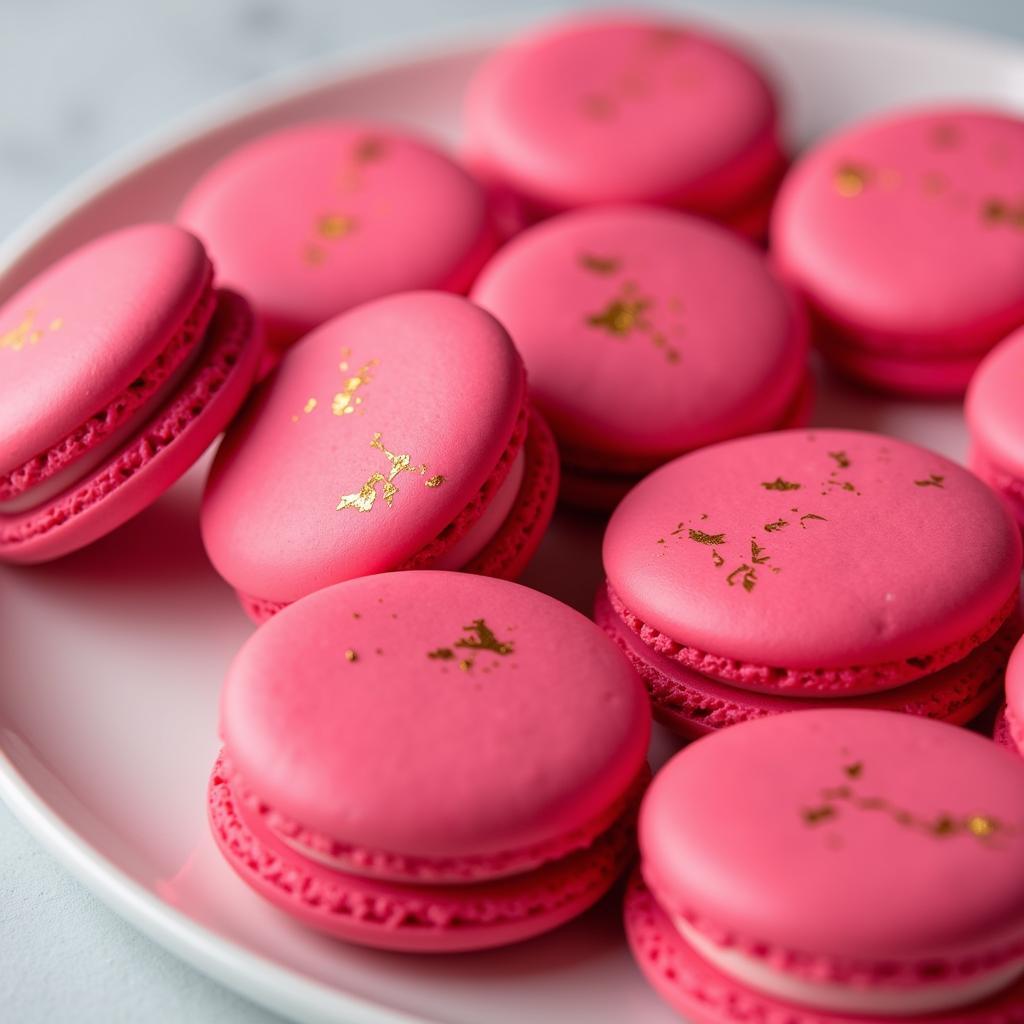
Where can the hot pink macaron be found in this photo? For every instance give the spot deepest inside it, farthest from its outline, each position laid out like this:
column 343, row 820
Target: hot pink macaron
column 906, row 234
column 315, row 219
column 995, row 416
column 429, row 762
column 646, row 333
column 771, row 572
column 622, row 108
column 119, row 365
column 396, row 436
column 835, row 867
column 1009, row 729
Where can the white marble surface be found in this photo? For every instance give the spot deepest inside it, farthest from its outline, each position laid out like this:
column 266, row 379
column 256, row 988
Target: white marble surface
column 83, row 78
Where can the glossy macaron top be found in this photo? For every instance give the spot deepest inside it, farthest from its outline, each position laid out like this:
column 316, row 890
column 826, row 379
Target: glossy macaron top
column 815, row 550
column 909, row 227
column 78, row 335
column 376, row 433
column 646, row 332
column 434, row 714
column 617, row 108
column 843, row 843
column 314, row 219
column 995, row 405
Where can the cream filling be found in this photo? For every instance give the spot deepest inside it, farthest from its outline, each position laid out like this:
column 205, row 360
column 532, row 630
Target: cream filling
column 467, row 547
column 837, row 998
column 81, row 467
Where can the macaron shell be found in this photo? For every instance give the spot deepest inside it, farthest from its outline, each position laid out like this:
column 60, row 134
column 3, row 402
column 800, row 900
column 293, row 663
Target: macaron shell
column 745, row 550
column 1014, row 713
column 427, row 402
column 703, row 995
column 904, row 228
column 647, row 332
column 995, row 406
column 365, row 210
column 618, row 109
column 508, row 748
column 859, row 820
column 692, row 704
column 83, row 330
column 420, row 919
column 162, row 451
column 915, row 377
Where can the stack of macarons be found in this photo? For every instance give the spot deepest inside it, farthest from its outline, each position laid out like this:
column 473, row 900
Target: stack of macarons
column 419, row 754
column 834, row 867
column 803, row 569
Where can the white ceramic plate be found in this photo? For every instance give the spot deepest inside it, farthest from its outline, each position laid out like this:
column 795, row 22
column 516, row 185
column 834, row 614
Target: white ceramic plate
column 111, row 659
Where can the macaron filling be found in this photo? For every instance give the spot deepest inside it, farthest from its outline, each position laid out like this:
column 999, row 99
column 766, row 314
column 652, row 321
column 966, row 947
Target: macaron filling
column 223, row 356
column 897, row 1000
column 469, row 533
column 817, row 682
column 397, row 867
column 49, row 473
column 695, row 704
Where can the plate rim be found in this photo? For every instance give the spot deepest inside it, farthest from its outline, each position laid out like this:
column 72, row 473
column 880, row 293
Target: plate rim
column 250, row 974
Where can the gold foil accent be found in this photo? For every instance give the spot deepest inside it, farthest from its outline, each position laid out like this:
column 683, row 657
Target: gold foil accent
column 364, row 499
column 27, row 332
column 717, row 560
column 850, row 180
column 707, row 538
column 481, row 639
column 779, row 524
column 345, row 401
column 335, row 225
column 778, row 484
column 842, row 459
column 598, row 264
column 984, row 828
column 434, row 481
column 810, row 515
column 309, row 406
column 351, row 655
column 622, row 315
column 369, row 150
column 934, row 480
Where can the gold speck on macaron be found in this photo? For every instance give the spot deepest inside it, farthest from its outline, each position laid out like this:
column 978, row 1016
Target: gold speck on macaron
column 335, row 225
column 850, row 180
column 434, row 481
column 599, row 264
column 778, row 484
column 933, row 480
column 351, row 655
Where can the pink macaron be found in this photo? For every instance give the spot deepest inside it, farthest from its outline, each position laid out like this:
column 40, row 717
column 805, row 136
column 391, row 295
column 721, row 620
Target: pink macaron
column 315, row 219
column 646, row 333
column 906, row 235
column 396, row 436
column 624, row 108
column 772, row 572
column 119, row 365
column 429, row 762
column 834, row 867
column 995, row 416
column 1009, row 730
